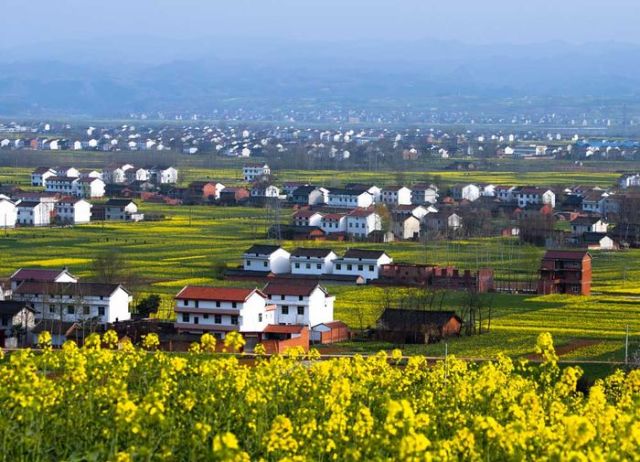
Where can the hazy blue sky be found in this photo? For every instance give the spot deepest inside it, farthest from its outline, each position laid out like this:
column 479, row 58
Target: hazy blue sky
column 472, row 21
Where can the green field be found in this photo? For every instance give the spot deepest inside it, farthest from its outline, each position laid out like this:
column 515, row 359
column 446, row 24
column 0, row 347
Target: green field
column 184, row 249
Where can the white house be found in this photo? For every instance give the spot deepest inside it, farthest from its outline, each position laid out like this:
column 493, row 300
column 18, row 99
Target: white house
column 120, row 209
column 32, row 213
column 142, row 174
column 312, row 261
column 76, row 301
column 73, row 210
column 362, row 222
column 40, row 175
column 8, row 213
column 531, row 195
column 252, row 172
column 118, row 174
column 265, row 190
column 405, row 226
column 594, row 201
column 310, row 195
column 307, row 218
column 70, row 172
column 332, row 223
column 62, row 185
column 90, row 187
column 300, row 302
column 423, row 194
column 163, row 175
column 470, row 192
column 360, row 262
column 488, row 190
column 349, row 198
column 505, row 193
column 582, row 225
column 40, row 275
column 16, row 318
column 629, row 180
column 267, row 258
column 396, row 195
column 221, row 310
column 374, row 190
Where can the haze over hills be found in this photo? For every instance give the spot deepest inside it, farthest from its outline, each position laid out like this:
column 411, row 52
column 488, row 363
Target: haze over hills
column 112, row 78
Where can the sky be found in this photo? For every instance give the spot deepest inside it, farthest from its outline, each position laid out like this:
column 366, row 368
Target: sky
column 469, row 21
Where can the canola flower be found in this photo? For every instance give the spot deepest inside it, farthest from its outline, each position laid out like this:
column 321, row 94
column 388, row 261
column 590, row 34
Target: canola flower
column 102, row 402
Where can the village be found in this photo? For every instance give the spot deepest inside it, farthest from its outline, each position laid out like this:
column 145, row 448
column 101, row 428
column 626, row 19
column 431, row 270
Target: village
column 286, row 301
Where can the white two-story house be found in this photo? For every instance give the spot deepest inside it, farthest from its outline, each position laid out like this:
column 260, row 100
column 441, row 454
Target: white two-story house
column 62, row 184
column 424, row 194
column 40, row 275
column 252, row 172
column 40, row 176
column 75, row 301
column 531, row 195
column 89, row 187
column 73, row 210
column 120, row 209
column 8, row 213
column 362, row 222
column 267, row 258
column 396, row 195
column 312, row 261
column 349, row 198
column 307, row 218
column 361, row 262
column 332, row 223
column 220, row 310
column 33, row 213
column 300, row 302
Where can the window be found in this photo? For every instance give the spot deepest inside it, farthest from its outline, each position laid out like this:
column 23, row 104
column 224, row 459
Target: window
column 52, row 308
column 234, row 305
column 308, row 265
column 71, row 309
column 360, row 267
column 319, row 266
column 217, row 304
column 186, row 303
column 248, row 262
column 338, row 266
column 281, row 297
column 259, row 317
column 197, row 303
column 234, row 320
column 285, row 309
column 264, row 264
column 300, row 297
column 101, row 311
column 86, row 310
column 370, row 267
column 301, row 311
column 349, row 267
column 217, row 319
column 185, row 317
column 196, row 320
column 205, row 316
column 297, row 265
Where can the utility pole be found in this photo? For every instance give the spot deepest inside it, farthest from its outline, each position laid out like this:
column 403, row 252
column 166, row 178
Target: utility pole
column 626, row 347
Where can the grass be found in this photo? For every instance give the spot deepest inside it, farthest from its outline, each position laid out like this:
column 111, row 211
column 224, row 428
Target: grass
column 166, row 255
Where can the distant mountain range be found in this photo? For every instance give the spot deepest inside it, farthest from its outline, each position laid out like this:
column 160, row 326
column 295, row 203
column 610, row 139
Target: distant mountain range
column 132, row 74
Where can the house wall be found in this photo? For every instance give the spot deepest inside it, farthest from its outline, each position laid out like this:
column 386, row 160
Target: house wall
column 8, row 214
column 325, row 265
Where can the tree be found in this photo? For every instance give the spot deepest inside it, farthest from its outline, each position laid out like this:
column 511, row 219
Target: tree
column 148, row 305
column 109, row 267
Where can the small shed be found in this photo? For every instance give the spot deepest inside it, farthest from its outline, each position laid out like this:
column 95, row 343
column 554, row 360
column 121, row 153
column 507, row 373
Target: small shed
column 417, row 326
column 330, row 332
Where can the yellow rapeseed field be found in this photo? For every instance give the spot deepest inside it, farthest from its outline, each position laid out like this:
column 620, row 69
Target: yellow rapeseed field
column 110, row 401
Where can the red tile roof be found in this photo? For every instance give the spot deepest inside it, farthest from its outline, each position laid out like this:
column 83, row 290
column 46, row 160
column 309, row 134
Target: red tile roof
column 566, row 255
column 223, row 294
column 291, row 287
column 277, row 329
